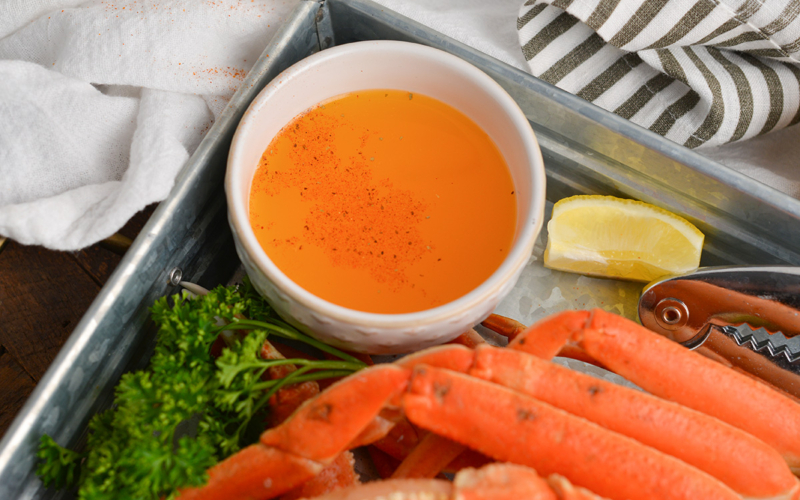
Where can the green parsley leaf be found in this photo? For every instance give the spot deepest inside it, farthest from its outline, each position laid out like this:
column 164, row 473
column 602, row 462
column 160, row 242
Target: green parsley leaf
column 60, row 466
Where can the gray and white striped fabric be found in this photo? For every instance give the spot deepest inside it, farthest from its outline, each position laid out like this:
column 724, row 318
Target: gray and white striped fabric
column 699, row 72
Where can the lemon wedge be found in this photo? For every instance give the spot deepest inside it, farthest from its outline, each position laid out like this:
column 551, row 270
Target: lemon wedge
column 615, row 238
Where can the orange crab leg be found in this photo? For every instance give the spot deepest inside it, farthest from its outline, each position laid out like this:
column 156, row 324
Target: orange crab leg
column 300, row 448
column 428, row 459
column 469, row 459
column 470, row 338
column 398, row 442
column 254, row 472
column 451, row 357
column 322, row 427
column 435, row 452
column 551, row 440
column 287, row 399
column 738, row 459
column 449, row 403
column 402, row 439
column 493, row 482
column 670, row 371
column 384, row 463
column 700, row 383
column 550, row 335
column 339, row 474
column 567, row 491
column 506, row 327
column 396, row 489
column 546, row 338
column 502, row 481
column 432, row 455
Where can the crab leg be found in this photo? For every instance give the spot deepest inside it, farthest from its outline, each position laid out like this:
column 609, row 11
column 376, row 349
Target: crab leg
column 339, row 474
column 452, row 404
column 400, row 441
column 384, row 463
column 493, row 482
column 670, row 371
column 567, row 491
column 546, row 338
column 435, row 452
column 396, row 437
column 746, row 464
column 736, row 458
column 502, row 481
column 316, row 434
column 396, row 489
column 468, row 459
column 506, row 327
column 470, row 338
column 546, row 345
column 322, row 427
column 254, row 472
column 450, row 357
column 550, row 440
column 287, row 399
column 429, row 457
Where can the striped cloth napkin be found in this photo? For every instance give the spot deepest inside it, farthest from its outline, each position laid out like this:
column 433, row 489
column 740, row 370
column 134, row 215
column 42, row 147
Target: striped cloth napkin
column 699, row 72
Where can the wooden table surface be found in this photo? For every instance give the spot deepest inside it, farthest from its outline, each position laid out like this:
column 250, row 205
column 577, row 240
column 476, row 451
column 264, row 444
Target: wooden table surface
column 43, row 295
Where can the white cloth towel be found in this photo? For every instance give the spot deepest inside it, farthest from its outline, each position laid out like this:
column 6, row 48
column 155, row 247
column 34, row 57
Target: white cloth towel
column 102, row 102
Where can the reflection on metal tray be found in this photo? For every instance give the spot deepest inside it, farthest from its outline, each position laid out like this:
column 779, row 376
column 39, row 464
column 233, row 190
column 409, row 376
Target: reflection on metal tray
column 586, row 150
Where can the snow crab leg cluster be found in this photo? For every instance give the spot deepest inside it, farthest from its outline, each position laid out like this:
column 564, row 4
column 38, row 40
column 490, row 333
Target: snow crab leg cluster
column 703, row 431
column 494, row 481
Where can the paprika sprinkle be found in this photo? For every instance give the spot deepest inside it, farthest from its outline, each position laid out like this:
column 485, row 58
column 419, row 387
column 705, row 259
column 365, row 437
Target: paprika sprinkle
column 384, row 201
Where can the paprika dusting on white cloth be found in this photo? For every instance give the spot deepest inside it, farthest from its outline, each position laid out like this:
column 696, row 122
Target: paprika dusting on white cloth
column 102, row 102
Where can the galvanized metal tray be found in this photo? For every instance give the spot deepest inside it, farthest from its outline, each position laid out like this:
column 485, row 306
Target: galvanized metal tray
column 586, row 150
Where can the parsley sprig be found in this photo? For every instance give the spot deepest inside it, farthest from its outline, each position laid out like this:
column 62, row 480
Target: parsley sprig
column 60, row 464
column 187, row 411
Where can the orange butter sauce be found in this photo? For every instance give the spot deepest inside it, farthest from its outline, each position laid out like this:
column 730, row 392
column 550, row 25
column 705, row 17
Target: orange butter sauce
column 384, row 201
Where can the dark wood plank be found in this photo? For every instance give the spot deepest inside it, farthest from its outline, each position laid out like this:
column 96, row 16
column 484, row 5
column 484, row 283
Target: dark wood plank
column 43, row 294
column 15, row 388
column 137, row 222
column 99, row 262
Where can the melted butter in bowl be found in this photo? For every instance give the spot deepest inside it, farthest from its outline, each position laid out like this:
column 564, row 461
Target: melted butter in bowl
column 340, row 221
column 384, row 201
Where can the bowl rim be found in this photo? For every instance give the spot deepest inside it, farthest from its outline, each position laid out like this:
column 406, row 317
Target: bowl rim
column 517, row 257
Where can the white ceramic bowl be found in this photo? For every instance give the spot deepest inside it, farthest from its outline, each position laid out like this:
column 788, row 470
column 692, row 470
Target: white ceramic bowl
column 385, row 65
